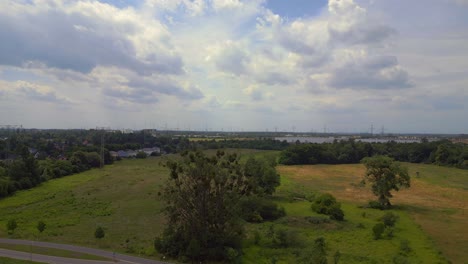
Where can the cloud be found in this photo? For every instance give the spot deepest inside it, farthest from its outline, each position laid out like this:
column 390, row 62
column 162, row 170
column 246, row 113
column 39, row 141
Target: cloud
column 129, row 86
column 82, row 35
column 254, row 92
column 232, row 61
column 230, row 58
column 274, row 78
column 351, row 24
column 32, row 91
column 382, row 72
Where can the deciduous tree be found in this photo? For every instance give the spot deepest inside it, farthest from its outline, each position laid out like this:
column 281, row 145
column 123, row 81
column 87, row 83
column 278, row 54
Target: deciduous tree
column 385, row 175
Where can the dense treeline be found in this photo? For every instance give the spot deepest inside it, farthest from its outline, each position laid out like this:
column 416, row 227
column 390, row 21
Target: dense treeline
column 58, row 143
column 254, row 143
column 26, row 172
column 443, row 152
column 21, row 173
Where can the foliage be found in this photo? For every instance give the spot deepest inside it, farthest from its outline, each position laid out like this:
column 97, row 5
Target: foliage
column 317, row 254
column 141, row 155
column 41, row 226
column 11, row 225
column 255, row 143
column 389, row 219
column 285, row 238
column 258, row 209
column 385, row 175
column 441, row 152
column 202, row 198
column 99, row 232
column 262, row 175
column 327, row 204
column 378, row 230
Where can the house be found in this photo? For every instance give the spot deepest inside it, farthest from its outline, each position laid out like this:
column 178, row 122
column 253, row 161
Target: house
column 150, row 151
column 122, row 154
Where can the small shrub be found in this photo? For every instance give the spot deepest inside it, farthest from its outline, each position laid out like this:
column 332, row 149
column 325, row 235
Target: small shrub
column 327, row 204
column 360, row 225
column 11, row 226
column 375, row 205
column 405, row 246
column 399, row 259
column 336, row 214
column 257, row 237
column 378, row 230
column 388, row 232
column 336, row 257
column 41, row 226
column 141, row 155
column 389, row 219
column 99, row 233
column 285, row 238
column 231, row 254
column 257, row 210
column 317, row 220
column 316, row 254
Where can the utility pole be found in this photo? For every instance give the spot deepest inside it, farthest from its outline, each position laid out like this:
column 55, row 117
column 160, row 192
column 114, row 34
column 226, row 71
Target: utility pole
column 9, row 128
column 372, row 129
column 103, row 132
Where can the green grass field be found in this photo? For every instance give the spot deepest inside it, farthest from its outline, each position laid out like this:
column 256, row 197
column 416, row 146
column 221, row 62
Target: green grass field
column 123, row 199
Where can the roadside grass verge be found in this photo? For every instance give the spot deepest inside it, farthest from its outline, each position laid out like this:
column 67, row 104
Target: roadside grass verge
column 52, row 252
column 17, row 261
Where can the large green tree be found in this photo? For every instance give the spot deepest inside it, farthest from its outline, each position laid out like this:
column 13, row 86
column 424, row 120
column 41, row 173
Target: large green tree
column 262, row 176
column 203, row 197
column 385, row 175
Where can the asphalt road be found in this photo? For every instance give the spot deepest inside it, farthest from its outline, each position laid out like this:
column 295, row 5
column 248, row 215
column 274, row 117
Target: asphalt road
column 119, row 258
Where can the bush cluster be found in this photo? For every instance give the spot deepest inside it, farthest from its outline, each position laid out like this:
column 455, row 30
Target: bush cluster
column 327, row 204
column 258, row 209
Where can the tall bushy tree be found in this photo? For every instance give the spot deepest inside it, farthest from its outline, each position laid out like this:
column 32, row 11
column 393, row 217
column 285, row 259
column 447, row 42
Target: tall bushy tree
column 385, row 175
column 203, row 196
column 262, row 175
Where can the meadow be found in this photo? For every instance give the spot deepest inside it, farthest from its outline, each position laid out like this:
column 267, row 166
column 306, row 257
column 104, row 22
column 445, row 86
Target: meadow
column 123, row 199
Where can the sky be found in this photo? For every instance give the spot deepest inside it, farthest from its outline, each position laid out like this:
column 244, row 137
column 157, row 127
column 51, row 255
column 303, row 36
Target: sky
column 233, row 65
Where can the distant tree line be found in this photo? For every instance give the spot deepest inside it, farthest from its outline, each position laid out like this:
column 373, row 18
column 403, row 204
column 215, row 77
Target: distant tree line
column 251, row 143
column 444, row 152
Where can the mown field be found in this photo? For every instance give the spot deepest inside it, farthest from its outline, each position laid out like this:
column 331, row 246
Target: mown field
column 123, row 199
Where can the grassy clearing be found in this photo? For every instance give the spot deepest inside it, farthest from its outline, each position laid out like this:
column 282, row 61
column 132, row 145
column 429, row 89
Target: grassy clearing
column 52, row 252
column 17, row 261
column 436, row 201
